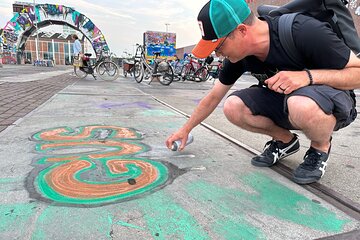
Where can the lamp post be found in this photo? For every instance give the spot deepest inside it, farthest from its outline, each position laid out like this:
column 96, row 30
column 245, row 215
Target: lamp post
column 167, row 26
column 1, row 53
column 37, row 34
column 1, row 49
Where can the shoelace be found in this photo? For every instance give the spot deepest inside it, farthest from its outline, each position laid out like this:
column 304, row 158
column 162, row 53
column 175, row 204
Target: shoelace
column 270, row 147
column 311, row 160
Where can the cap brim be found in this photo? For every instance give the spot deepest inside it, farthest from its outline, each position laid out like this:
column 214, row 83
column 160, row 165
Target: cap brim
column 205, row 47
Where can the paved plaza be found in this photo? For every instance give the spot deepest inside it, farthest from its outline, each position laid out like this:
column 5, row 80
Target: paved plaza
column 86, row 159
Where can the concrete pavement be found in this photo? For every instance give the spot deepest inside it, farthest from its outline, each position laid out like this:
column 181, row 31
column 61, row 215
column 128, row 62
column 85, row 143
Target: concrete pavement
column 90, row 163
column 345, row 153
column 28, row 73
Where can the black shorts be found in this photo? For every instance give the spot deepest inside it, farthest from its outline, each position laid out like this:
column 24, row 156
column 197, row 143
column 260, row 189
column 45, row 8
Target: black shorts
column 265, row 102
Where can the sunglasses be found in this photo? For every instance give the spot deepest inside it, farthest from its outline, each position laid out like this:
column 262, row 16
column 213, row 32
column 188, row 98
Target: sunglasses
column 217, row 49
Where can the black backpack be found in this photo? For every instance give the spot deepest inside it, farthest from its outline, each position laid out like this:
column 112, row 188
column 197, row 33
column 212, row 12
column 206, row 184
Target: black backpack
column 332, row 11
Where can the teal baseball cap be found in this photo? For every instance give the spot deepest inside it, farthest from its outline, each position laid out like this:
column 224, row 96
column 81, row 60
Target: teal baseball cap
column 217, row 19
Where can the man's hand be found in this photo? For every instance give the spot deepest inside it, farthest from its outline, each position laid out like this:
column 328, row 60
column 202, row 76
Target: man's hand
column 181, row 135
column 288, row 81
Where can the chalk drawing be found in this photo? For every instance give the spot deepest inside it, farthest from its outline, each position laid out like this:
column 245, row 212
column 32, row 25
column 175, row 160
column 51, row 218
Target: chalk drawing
column 109, row 174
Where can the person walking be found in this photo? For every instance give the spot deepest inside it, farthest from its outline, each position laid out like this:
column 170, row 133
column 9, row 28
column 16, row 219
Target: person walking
column 77, row 49
column 314, row 98
column 77, row 52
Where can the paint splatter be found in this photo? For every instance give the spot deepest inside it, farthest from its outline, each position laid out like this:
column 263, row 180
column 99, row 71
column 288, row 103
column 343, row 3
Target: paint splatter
column 158, row 113
column 168, row 220
column 73, row 223
column 15, row 219
column 125, row 224
column 126, row 105
column 270, row 198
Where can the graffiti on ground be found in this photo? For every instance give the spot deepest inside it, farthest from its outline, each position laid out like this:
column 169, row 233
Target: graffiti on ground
column 94, row 165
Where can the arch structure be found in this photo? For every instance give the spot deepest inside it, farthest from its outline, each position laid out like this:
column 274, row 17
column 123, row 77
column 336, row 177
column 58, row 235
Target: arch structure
column 16, row 32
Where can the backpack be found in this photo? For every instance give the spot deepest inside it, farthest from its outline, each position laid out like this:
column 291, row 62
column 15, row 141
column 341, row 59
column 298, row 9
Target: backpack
column 332, row 11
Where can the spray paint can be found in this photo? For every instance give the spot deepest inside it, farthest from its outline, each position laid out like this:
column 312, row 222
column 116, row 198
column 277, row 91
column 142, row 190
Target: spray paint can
column 176, row 144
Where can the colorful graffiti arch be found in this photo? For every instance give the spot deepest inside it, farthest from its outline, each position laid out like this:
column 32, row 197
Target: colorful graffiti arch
column 16, row 32
column 94, row 165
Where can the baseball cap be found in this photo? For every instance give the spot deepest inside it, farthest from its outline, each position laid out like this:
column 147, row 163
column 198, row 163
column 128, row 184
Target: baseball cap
column 216, row 20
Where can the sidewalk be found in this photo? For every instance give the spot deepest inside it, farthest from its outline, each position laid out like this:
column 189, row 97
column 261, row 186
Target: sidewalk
column 343, row 169
column 90, row 163
column 19, row 98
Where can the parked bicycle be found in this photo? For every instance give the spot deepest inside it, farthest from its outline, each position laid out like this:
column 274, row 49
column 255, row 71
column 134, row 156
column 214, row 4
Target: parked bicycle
column 203, row 73
column 160, row 68
column 177, row 66
column 127, row 67
column 189, row 69
column 104, row 67
column 215, row 69
column 43, row 63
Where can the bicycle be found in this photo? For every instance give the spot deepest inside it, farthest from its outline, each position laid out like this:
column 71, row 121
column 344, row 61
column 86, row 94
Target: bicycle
column 161, row 69
column 127, row 67
column 105, row 68
column 206, row 70
column 43, row 63
column 215, row 69
column 177, row 66
column 189, row 69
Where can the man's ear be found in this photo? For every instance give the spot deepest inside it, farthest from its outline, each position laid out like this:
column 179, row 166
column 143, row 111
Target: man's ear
column 242, row 28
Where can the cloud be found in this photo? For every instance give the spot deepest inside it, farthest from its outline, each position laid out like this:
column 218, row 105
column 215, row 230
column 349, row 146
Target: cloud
column 96, row 8
column 124, row 22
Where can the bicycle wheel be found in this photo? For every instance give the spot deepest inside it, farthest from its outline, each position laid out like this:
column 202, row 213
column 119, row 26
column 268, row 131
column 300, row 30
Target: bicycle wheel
column 147, row 73
column 177, row 73
column 183, row 72
column 108, row 71
column 79, row 73
column 188, row 73
column 138, row 71
column 202, row 74
column 167, row 76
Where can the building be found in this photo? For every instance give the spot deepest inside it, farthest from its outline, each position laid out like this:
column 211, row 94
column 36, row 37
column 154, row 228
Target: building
column 46, row 45
column 181, row 51
column 51, row 46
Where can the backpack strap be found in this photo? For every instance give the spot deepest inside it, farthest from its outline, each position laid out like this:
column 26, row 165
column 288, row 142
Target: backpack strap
column 287, row 40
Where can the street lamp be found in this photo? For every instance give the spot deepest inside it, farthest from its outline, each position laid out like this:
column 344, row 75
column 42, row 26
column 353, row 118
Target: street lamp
column 167, row 26
column 37, row 34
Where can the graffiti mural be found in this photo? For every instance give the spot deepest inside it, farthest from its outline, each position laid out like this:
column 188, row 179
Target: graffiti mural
column 94, row 165
column 162, row 42
column 23, row 24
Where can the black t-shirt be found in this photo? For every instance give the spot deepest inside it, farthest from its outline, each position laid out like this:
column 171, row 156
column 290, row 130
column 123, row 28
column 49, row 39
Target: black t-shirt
column 318, row 45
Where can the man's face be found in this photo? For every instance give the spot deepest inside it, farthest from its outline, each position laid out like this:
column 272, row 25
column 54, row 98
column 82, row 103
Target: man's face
column 231, row 47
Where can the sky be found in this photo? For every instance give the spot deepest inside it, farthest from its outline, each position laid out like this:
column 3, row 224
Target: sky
column 124, row 21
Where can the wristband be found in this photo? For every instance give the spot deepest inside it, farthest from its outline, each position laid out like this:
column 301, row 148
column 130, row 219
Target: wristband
column 310, row 76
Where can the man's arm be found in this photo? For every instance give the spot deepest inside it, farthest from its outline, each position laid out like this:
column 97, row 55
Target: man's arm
column 346, row 79
column 206, row 106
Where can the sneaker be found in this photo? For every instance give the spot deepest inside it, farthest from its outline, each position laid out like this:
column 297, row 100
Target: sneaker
column 313, row 167
column 276, row 150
